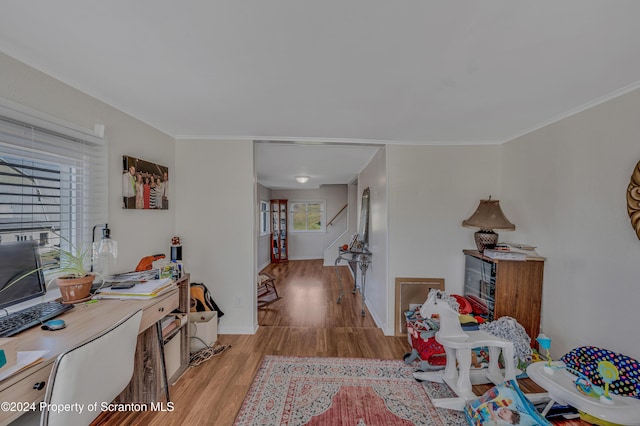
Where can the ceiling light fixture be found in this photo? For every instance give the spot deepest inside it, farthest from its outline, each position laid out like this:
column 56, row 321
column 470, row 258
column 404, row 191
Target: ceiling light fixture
column 302, row 179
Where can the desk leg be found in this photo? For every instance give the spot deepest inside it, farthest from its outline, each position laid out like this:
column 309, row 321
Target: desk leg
column 163, row 361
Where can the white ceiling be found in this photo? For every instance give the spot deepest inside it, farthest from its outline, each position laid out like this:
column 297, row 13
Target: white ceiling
column 410, row 71
column 278, row 164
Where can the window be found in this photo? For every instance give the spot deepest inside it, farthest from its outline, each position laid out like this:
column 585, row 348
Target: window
column 307, row 216
column 264, row 218
column 53, row 176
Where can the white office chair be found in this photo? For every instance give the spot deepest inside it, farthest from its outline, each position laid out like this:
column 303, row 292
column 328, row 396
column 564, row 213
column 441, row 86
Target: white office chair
column 94, row 371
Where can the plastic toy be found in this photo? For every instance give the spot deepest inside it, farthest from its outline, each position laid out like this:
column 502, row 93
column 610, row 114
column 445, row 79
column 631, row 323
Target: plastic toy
column 545, row 343
column 609, row 374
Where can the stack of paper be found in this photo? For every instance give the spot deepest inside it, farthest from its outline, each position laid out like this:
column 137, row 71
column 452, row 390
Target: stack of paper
column 132, row 276
column 146, row 290
column 504, row 255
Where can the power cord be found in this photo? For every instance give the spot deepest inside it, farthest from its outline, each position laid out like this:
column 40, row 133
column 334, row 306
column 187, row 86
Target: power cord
column 206, row 353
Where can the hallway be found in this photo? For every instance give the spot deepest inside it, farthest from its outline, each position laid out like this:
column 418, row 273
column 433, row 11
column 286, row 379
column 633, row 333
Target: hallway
column 309, row 292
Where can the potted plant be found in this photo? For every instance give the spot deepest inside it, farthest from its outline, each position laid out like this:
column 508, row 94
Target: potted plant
column 68, row 267
column 72, row 277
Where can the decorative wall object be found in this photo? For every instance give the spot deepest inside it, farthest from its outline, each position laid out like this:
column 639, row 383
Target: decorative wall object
column 633, row 199
column 145, row 185
column 363, row 233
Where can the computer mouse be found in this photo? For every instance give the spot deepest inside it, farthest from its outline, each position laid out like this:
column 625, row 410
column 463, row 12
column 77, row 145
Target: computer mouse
column 54, row 325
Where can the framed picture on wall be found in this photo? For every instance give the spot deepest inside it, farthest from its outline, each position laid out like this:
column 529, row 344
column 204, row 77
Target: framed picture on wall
column 145, row 185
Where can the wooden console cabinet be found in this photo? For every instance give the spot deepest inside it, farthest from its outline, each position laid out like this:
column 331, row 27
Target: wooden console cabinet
column 507, row 287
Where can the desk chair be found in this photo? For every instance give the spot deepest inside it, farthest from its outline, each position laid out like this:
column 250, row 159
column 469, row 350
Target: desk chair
column 94, row 371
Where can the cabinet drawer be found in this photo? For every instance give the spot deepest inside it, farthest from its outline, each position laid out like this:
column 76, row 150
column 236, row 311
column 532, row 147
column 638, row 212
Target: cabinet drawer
column 159, row 310
column 30, row 389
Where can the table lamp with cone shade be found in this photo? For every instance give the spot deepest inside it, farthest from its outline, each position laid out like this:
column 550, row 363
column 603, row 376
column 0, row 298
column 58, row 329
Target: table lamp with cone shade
column 488, row 216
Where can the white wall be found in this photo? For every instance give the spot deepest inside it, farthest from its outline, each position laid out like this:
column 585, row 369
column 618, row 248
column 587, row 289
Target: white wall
column 566, row 185
column 350, row 215
column 139, row 233
column 216, row 218
column 374, row 177
column 311, row 245
column 432, row 189
column 264, row 241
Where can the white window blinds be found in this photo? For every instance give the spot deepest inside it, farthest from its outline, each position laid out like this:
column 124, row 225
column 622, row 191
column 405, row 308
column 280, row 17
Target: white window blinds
column 52, row 176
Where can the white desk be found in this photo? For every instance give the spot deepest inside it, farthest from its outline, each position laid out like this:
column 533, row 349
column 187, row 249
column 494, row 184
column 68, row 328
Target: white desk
column 84, row 322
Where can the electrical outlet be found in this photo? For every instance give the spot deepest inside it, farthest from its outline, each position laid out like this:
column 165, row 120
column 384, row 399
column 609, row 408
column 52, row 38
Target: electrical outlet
column 239, row 302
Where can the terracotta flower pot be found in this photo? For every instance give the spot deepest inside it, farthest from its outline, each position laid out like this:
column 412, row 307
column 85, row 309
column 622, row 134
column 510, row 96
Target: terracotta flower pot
column 75, row 290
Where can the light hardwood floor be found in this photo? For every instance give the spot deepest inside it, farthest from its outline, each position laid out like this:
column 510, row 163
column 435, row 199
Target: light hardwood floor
column 307, row 321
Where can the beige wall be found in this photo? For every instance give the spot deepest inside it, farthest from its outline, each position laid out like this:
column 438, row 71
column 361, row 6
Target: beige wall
column 264, row 241
column 139, row 233
column 374, row 177
column 432, row 189
column 566, row 185
column 215, row 216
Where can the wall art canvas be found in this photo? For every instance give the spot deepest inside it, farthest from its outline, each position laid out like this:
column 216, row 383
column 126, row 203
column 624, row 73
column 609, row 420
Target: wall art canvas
column 145, row 185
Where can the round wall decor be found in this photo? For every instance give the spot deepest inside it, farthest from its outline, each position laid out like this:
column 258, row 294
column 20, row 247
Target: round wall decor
column 633, row 199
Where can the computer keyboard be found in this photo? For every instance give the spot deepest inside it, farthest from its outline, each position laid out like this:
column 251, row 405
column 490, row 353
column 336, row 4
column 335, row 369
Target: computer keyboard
column 29, row 317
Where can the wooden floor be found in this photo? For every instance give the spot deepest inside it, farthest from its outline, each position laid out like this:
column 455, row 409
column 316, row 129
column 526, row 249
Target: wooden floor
column 307, row 321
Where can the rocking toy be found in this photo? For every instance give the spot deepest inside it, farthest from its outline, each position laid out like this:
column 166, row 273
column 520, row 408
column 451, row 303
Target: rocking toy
column 458, row 345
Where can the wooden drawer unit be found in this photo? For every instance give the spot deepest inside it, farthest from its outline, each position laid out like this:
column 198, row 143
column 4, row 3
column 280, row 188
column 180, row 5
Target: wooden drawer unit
column 29, row 389
column 160, row 309
column 507, row 288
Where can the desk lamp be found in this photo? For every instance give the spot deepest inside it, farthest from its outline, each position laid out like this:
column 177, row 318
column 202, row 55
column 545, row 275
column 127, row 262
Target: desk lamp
column 488, row 216
column 106, row 248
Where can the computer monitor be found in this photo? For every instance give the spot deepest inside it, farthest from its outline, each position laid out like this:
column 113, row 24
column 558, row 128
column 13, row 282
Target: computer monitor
column 16, row 259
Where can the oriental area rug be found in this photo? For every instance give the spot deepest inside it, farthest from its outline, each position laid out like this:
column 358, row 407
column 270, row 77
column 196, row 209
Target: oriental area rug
column 342, row 391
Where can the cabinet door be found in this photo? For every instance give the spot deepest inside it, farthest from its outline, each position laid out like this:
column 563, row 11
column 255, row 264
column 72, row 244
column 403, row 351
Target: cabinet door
column 519, row 293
